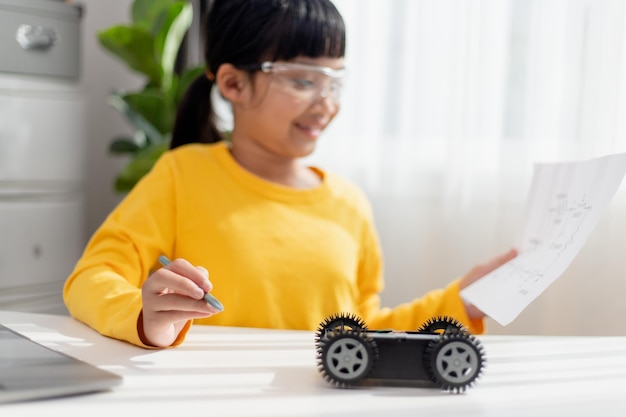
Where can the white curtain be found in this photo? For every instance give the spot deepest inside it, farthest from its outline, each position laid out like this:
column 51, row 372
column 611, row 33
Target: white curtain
column 447, row 106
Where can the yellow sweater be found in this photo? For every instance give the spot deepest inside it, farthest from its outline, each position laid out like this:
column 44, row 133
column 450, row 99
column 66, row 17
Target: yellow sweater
column 277, row 257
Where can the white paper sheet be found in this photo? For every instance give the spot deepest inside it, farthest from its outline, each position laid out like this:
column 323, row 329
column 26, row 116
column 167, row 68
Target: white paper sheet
column 565, row 203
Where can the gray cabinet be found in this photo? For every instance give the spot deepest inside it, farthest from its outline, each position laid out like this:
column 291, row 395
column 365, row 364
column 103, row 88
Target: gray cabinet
column 42, row 142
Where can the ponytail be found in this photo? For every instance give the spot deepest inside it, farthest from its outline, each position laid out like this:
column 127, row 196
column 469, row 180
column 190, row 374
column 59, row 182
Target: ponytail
column 195, row 118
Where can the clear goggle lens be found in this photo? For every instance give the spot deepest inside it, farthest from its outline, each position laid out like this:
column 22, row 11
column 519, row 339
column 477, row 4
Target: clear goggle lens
column 306, row 82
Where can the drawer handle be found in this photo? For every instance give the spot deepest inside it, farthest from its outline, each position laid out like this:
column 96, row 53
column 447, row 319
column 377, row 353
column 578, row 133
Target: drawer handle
column 35, row 37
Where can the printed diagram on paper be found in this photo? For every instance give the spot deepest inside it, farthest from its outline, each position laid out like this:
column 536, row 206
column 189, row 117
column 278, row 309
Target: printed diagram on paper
column 559, row 235
column 565, row 203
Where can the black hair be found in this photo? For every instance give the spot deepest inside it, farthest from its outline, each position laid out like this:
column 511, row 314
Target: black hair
column 246, row 32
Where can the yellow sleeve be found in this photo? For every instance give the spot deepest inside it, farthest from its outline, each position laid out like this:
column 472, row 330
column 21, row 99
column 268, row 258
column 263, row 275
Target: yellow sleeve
column 104, row 289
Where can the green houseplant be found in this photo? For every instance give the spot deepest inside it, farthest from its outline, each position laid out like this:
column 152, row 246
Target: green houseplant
column 149, row 45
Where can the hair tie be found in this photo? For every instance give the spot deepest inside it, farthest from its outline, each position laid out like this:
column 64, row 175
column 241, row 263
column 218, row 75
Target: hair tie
column 210, row 76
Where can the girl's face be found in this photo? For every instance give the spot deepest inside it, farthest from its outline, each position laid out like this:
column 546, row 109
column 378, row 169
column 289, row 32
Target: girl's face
column 286, row 107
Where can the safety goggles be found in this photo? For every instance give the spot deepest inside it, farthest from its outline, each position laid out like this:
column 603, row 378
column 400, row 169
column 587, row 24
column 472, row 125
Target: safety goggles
column 302, row 81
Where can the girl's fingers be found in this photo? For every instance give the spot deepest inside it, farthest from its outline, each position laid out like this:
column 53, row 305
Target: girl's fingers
column 500, row 260
column 197, row 274
column 483, row 269
column 173, row 303
column 166, row 281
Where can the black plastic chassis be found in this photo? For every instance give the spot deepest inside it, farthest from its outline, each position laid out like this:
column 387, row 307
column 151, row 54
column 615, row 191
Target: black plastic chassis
column 440, row 354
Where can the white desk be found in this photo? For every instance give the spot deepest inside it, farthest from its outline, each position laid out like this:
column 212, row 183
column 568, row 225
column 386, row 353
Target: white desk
column 251, row 372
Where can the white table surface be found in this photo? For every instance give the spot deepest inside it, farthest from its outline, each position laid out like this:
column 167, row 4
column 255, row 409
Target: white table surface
column 222, row 371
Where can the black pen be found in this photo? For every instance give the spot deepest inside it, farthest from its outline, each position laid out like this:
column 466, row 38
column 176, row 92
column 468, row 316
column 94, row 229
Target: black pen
column 212, row 301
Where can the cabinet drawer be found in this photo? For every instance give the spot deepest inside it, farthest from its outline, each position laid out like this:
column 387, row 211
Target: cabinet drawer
column 41, row 138
column 40, row 38
column 40, row 240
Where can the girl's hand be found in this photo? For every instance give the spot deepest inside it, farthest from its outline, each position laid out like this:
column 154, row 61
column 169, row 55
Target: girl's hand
column 172, row 296
column 480, row 271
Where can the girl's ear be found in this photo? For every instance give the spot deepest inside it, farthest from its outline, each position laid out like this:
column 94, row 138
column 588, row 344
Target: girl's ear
column 231, row 82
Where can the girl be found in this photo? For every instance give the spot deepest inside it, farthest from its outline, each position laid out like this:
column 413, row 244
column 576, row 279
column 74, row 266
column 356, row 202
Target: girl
column 286, row 244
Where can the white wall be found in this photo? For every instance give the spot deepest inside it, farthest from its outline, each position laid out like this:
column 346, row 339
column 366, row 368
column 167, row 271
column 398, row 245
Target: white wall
column 101, row 73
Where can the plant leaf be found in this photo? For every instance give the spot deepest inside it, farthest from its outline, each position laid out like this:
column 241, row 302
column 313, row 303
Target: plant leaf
column 135, row 46
column 154, row 106
column 139, row 166
column 145, row 12
column 123, row 145
column 169, row 38
column 137, row 120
